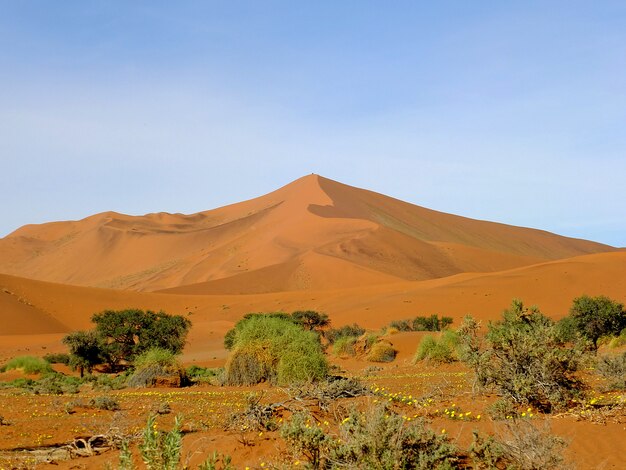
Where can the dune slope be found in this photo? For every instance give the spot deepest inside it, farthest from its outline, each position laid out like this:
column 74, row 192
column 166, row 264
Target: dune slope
column 314, row 233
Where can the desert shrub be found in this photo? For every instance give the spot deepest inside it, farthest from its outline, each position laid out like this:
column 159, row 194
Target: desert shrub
column 305, row 440
column 331, row 389
column 613, row 368
column 274, row 349
column 161, row 450
column 104, row 402
column 618, row 341
column 58, row 358
column 370, row 340
column 524, row 358
column 105, row 382
column 217, row 461
column 520, row 445
column 55, row 384
column 199, row 374
column 438, row 350
column 20, row 382
column 377, row 438
column 381, row 351
column 28, row 364
column 254, row 417
column 528, row 447
column 230, row 338
column 432, row 323
column 401, row 325
column 567, row 330
column 345, row 346
column 334, row 334
column 390, row 330
column 124, row 334
column 311, row 320
column 595, row 317
column 154, row 363
column 503, row 408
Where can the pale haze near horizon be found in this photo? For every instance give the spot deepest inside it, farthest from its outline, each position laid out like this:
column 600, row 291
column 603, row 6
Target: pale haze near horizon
column 503, row 111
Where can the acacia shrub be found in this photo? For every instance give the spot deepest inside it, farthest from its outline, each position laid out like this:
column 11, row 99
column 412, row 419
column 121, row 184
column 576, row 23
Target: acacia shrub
column 595, row 317
column 524, row 357
column 127, row 333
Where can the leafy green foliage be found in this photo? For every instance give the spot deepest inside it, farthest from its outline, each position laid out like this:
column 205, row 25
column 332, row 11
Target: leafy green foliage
column 595, row 317
column 87, row 350
column 275, row 349
column 524, row 357
column 128, row 333
column 432, row 323
column 311, row 320
column 345, row 346
column 438, row 350
column 161, row 450
column 154, row 363
column 334, row 334
column 29, row 364
column 57, row 358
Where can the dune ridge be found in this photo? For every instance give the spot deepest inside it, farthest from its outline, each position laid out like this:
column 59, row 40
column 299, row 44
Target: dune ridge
column 313, row 233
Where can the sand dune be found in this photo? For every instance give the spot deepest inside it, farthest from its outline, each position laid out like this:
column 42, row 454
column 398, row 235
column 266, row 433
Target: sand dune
column 46, row 308
column 312, row 234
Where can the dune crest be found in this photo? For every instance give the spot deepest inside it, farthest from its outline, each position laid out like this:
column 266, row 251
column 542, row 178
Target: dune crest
column 313, row 233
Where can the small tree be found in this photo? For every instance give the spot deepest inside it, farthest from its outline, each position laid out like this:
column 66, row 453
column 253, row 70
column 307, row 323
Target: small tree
column 311, row 320
column 595, row 317
column 127, row 333
column 86, row 350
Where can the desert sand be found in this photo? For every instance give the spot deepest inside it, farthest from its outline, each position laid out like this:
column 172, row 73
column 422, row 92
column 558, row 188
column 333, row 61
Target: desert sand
column 314, row 244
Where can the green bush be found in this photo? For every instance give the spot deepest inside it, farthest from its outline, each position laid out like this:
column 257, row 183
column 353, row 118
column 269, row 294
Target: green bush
column 311, row 320
column 334, row 334
column 104, row 402
column 154, row 363
column 230, row 337
column 377, row 438
column 381, row 351
column 161, row 450
column 432, row 323
column 345, row 346
column 124, row 334
column 28, row 364
column 55, row 384
column 438, row 350
column 274, row 349
column 613, row 368
column 401, row 325
column 595, row 317
column 199, row 374
column 618, row 341
column 524, row 357
column 59, row 358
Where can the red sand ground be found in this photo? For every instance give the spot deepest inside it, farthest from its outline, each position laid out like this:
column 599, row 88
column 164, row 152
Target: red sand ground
column 314, row 244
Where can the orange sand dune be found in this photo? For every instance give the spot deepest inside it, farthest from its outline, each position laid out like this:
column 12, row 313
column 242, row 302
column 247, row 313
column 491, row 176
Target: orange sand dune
column 312, row 234
column 49, row 308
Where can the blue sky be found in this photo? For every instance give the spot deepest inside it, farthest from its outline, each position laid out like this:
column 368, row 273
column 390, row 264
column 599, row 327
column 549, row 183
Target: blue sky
column 506, row 111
